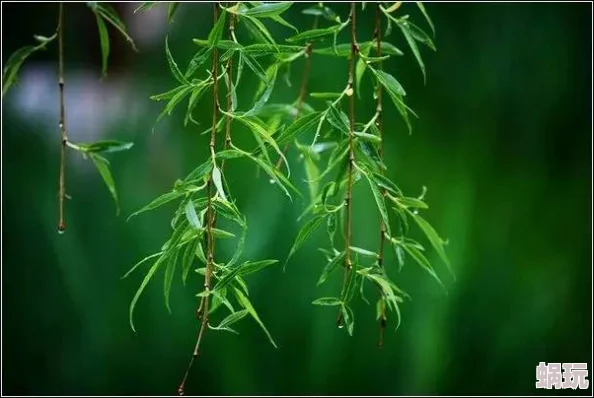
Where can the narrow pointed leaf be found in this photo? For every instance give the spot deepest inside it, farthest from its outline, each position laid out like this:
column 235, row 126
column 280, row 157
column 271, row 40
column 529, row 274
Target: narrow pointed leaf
column 243, row 300
column 424, row 12
column 151, row 272
column 171, row 9
column 177, row 74
column 327, row 301
column 304, row 233
column 104, row 41
column 102, row 166
column 168, row 279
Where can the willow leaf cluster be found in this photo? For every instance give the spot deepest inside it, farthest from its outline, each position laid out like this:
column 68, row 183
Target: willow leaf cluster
column 349, row 152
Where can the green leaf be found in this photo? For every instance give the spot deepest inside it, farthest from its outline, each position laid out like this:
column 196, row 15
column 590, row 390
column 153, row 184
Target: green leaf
column 138, row 264
column 254, row 66
column 348, row 318
column 304, row 233
column 330, row 267
column 364, row 252
column 177, row 98
column 259, row 131
column 280, row 20
column 315, row 33
column 386, row 183
column 167, row 95
column 422, row 8
column 367, row 136
column 102, row 166
column 192, row 216
column 319, row 10
column 197, row 92
column 266, row 10
column 230, row 320
column 104, row 40
column 436, row 241
column 158, row 202
column 325, row 95
column 197, row 60
column 177, row 74
column 300, row 126
column 171, row 9
column 217, row 179
column 168, row 280
column 271, row 74
column 413, row 46
column 327, row 301
column 261, row 28
column 379, row 200
column 249, row 267
column 110, row 15
column 390, row 49
column 217, row 31
column 145, row 281
column 423, row 262
column 147, row 5
column 200, row 172
column 359, row 71
column 407, row 202
column 15, row 61
column 389, row 82
column 106, row 146
column 188, row 258
column 243, row 300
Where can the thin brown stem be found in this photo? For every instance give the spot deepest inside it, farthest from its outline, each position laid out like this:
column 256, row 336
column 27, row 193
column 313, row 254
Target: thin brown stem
column 62, row 123
column 379, row 123
column 348, row 200
column 230, row 89
column 302, row 88
column 210, row 216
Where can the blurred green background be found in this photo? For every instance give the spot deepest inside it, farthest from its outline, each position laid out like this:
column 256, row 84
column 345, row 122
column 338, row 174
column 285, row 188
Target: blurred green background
column 502, row 143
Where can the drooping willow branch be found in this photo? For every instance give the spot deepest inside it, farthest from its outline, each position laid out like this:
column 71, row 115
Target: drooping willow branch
column 62, row 123
column 348, row 200
column 380, row 128
column 357, row 154
column 203, row 310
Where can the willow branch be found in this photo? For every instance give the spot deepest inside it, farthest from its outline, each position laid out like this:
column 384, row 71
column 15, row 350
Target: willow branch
column 230, row 89
column 302, row 88
column 62, row 123
column 348, row 200
column 379, row 123
column 210, row 216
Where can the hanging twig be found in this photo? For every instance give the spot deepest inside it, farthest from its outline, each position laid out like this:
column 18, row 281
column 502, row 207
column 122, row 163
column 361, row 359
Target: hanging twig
column 62, row 123
column 349, row 193
column 210, row 216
